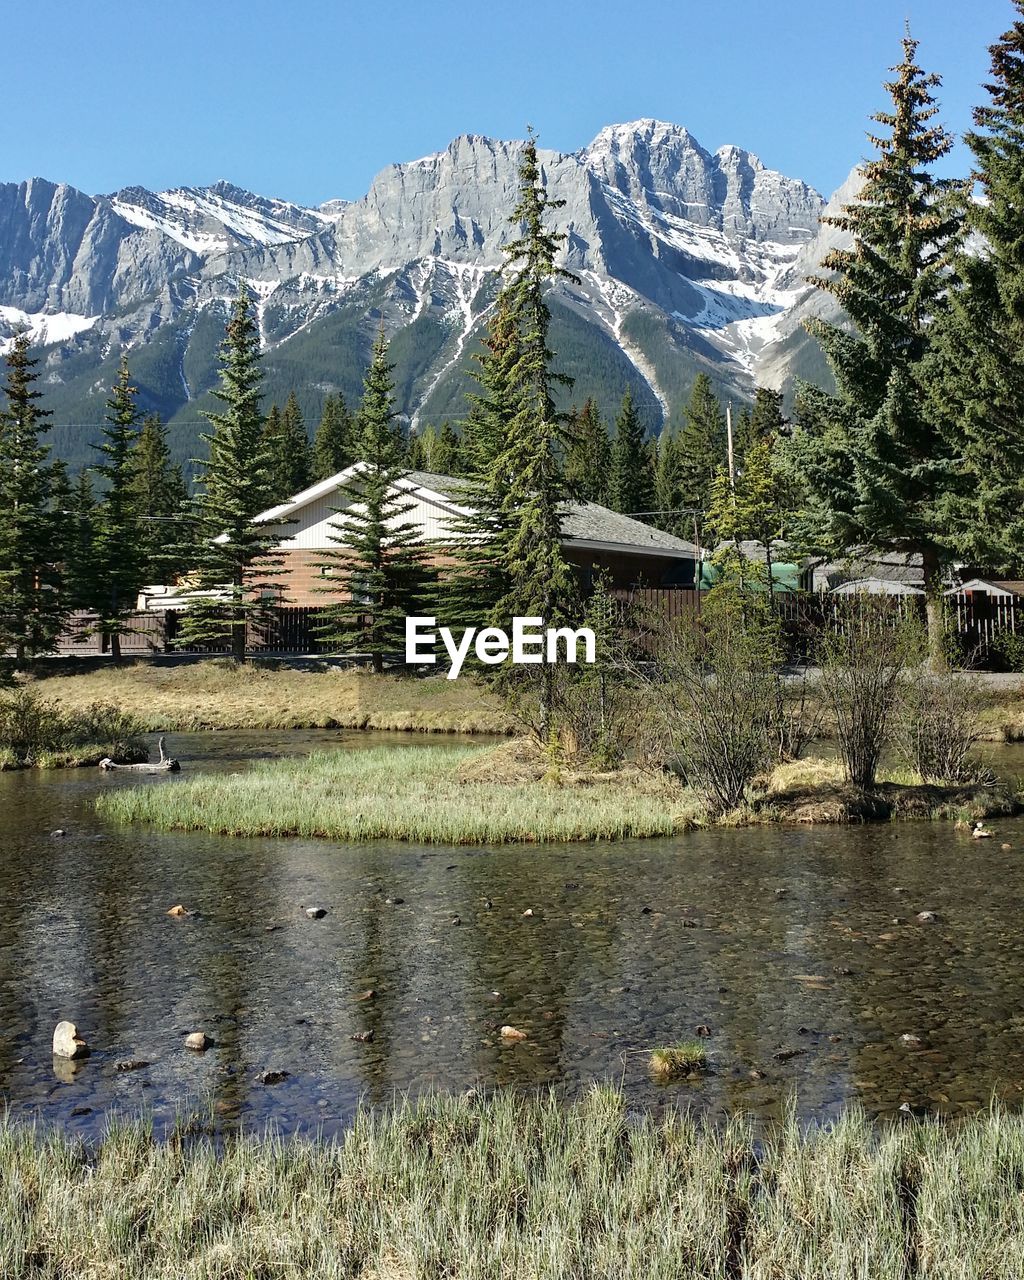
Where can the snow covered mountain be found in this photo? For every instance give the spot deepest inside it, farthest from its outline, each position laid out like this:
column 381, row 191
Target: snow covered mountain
column 686, row 259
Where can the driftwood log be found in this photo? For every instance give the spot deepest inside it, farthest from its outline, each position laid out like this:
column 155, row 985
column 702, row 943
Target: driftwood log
column 166, row 764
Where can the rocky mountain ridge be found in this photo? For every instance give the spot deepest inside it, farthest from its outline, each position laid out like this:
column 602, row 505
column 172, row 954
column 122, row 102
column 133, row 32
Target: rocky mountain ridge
column 686, row 259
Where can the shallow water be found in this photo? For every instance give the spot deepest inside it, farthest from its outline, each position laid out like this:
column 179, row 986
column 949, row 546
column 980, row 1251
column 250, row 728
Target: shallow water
column 796, row 948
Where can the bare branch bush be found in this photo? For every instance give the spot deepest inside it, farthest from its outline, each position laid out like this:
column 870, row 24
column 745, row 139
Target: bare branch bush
column 718, row 691
column 939, row 726
column 868, row 646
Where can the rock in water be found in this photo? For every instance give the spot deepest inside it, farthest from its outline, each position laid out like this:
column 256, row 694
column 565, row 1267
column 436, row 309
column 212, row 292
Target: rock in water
column 197, row 1041
column 316, row 913
column 67, row 1043
column 178, row 910
column 512, row 1033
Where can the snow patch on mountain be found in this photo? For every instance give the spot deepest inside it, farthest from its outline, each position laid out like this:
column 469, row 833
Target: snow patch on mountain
column 43, row 328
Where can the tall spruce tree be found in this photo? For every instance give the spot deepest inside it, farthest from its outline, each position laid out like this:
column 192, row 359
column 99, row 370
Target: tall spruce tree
column 702, row 449
column 978, row 340
column 235, row 556
column 879, row 462
column 631, row 481
column 588, row 461
column 381, row 566
column 161, row 505
column 334, row 445
column 119, row 562
column 530, row 462
column 33, row 600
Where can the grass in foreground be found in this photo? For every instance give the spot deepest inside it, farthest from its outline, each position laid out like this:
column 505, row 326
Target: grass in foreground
column 219, row 694
column 405, row 793
column 518, row 1189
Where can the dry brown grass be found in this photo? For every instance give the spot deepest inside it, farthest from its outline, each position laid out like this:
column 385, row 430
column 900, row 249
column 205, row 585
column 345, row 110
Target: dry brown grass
column 217, row 694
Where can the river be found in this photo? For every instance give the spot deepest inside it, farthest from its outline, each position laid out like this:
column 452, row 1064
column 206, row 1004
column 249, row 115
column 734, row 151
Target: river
column 797, row 950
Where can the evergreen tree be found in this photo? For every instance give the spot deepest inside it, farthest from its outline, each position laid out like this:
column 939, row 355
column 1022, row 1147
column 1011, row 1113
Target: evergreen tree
column 160, row 502
column 235, row 555
column 33, row 601
column 631, row 482
column 702, row 449
column 291, row 455
column 589, row 457
column 764, row 421
column 978, row 340
column 669, row 496
column 119, row 564
column 420, row 444
column 381, row 567
column 80, row 560
column 530, row 466
column 480, row 576
column 879, row 463
column 444, row 454
column 530, row 462
column 334, row 442
column 756, row 507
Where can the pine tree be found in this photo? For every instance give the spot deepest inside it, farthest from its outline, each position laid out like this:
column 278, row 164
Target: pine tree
column 764, row 421
column 588, row 461
column 235, row 558
column 161, row 506
column 701, row 445
column 334, row 442
column 755, row 507
column 978, row 341
column 381, row 567
column 291, row 455
column 879, row 463
column 444, row 455
column 118, row 552
column 669, row 496
column 479, row 577
column 33, row 600
column 541, row 584
column 420, row 445
column 80, row 560
column 631, row 481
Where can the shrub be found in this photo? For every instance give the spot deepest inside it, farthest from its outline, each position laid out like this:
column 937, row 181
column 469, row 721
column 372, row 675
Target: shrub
column 34, row 730
column 864, row 654
column 939, row 724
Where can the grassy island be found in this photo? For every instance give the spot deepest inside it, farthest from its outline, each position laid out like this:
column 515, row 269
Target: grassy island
column 520, row 1188
column 509, row 793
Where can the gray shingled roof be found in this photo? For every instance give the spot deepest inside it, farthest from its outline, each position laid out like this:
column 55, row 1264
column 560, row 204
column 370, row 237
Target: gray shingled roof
column 584, row 521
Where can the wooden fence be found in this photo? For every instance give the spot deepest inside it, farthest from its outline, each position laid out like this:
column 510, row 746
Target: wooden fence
column 978, row 620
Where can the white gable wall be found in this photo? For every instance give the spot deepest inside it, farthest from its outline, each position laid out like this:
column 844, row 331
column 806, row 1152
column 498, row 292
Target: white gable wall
column 312, row 525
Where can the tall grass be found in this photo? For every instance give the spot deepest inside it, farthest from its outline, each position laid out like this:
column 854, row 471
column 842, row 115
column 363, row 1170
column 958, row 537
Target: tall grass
column 406, row 793
column 37, row 731
column 520, row 1188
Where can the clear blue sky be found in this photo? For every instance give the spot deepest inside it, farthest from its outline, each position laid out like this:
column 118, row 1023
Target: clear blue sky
column 308, row 99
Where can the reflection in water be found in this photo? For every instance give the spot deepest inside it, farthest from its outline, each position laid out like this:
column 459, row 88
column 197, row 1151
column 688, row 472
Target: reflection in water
column 798, row 948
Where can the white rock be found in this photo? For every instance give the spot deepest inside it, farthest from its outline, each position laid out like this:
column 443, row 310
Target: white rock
column 67, row 1043
column 197, row 1041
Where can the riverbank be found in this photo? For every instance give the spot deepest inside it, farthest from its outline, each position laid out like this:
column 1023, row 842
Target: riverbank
column 37, row 733
column 505, row 794
column 519, row 1188
column 219, row 694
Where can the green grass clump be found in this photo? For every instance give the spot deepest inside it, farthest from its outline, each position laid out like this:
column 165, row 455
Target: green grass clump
column 518, row 1188
column 679, row 1060
column 388, row 793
